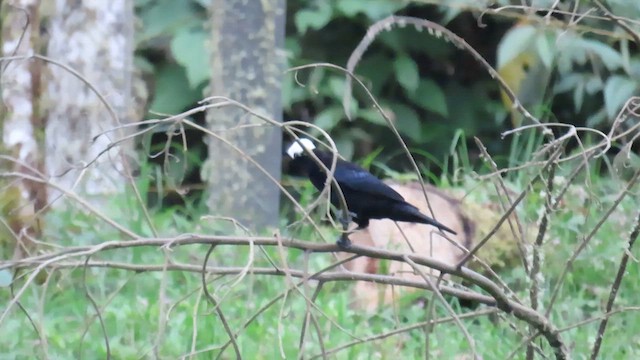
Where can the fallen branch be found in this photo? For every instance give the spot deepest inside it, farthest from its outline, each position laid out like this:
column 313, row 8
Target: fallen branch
column 497, row 296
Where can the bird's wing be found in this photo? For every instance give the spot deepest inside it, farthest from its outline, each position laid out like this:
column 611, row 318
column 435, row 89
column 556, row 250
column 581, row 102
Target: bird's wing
column 355, row 178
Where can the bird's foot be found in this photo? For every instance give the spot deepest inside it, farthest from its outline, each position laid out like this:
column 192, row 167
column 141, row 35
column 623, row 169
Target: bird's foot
column 343, row 241
column 344, row 220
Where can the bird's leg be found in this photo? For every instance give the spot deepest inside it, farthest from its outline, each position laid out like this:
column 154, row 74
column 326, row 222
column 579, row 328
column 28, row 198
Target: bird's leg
column 343, row 240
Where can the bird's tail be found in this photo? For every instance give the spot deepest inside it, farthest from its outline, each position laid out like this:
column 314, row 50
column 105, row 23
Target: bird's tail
column 411, row 214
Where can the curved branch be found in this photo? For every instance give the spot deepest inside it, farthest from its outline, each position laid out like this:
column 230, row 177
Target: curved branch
column 534, row 318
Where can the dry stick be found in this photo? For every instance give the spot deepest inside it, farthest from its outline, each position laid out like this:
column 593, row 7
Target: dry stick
column 162, row 320
column 446, row 305
column 618, row 20
column 586, row 241
column 515, row 329
column 45, row 261
column 506, row 214
column 39, row 268
column 528, row 341
column 307, row 310
column 502, row 301
column 615, row 287
column 213, row 302
column 299, row 274
column 520, row 240
column 26, row 313
column 95, row 307
column 307, row 319
column 323, row 351
column 428, row 329
column 287, row 279
column 76, row 198
column 430, row 311
column 606, row 144
column 600, row 317
column 407, row 329
column 572, row 133
column 296, row 287
column 517, row 15
column 534, row 294
column 194, row 322
column 106, row 303
column 288, row 290
column 41, row 313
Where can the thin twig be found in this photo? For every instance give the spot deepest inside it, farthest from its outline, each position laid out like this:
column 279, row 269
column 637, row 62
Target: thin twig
column 408, row 328
column 536, row 262
column 96, row 308
column 213, row 302
column 615, row 287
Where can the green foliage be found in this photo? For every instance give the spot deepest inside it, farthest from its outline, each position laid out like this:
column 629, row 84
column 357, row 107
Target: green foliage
column 425, row 84
column 176, row 93
column 167, row 309
column 188, row 48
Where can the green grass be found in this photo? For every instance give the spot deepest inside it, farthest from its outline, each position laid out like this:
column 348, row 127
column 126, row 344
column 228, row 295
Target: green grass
column 142, row 310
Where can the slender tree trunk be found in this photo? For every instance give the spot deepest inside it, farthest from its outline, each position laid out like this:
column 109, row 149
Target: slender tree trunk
column 247, row 67
column 20, row 85
column 94, row 38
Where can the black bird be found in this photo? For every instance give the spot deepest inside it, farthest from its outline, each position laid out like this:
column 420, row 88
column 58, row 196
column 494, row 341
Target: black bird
column 367, row 197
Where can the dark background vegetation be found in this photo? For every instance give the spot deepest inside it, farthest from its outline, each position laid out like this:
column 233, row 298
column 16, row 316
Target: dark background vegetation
column 439, row 96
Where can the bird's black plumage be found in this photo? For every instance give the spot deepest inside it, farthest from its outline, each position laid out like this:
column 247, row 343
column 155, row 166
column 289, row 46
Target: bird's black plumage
column 367, row 197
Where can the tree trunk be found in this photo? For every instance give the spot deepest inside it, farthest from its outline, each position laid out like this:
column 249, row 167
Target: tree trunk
column 20, row 198
column 94, row 38
column 247, row 67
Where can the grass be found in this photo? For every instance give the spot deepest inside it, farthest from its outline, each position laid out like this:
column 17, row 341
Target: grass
column 165, row 314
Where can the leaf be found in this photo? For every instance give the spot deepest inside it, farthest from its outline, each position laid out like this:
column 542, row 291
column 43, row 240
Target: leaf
column 375, row 71
column 578, row 94
column 165, row 16
column 374, row 9
column 608, row 55
column 337, row 86
column 545, row 46
column 516, row 41
column 328, row 118
column 314, row 18
column 568, row 82
column 5, row 278
column 407, row 122
column 188, row 48
column 617, row 91
column 407, row 73
column 373, row 116
column 626, row 162
column 345, row 146
column 173, row 93
column 571, row 52
column 430, row 97
column 593, row 84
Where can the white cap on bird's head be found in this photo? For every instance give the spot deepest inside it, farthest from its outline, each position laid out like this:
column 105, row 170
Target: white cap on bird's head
column 298, row 146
